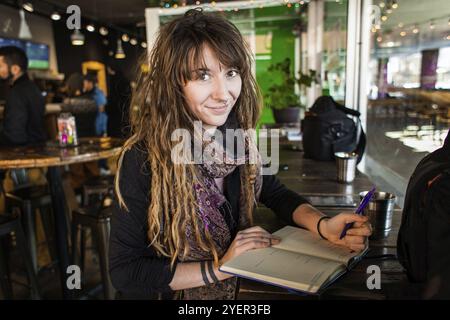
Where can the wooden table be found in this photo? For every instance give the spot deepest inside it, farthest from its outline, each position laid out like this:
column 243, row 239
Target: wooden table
column 310, row 177
column 53, row 157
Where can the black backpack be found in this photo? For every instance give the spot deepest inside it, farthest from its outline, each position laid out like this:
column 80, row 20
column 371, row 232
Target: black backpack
column 423, row 244
column 327, row 129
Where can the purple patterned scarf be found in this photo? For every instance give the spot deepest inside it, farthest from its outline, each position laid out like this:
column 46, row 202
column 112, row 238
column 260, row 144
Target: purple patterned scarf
column 219, row 164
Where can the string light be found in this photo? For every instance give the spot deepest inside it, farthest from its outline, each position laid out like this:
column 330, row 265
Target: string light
column 402, row 33
column 125, row 38
column 400, row 25
column 415, row 29
column 379, row 39
column 384, row 18
column 394, row 4
column 381, row 4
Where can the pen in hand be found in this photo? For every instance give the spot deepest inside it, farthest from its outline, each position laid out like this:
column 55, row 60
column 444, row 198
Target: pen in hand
column 364, row 202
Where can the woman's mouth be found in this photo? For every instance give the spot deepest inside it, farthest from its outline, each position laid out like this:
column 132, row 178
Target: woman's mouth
column 219, row 110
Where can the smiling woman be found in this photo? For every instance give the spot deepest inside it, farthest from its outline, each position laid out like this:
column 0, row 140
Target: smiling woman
column 174, row 224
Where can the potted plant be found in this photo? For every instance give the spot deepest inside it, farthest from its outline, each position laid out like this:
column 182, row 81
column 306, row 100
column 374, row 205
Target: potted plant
column 281, row 97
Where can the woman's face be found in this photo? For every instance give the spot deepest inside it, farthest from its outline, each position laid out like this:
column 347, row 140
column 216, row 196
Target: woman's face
column 212, row 92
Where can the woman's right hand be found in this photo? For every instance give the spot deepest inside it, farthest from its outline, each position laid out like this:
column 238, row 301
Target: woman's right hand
column 248, row 239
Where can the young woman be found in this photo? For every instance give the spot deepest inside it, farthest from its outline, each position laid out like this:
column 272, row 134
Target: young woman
column 175, row 224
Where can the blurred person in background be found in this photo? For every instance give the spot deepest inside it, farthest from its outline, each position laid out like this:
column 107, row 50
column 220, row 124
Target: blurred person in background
column 101, row 120
column 23, row 121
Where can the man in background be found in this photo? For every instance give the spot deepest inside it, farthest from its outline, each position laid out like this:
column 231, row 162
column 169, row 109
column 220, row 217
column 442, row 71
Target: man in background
column 23, row 121
column 101, row 121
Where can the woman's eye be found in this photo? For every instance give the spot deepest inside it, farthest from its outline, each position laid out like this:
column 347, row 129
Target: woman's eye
column 203, row 76
column 233, row 73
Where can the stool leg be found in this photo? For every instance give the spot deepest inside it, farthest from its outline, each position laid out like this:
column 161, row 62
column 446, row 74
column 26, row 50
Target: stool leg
column 22, row 245
column 47, row 224
column 29, row 221
column 5, row 280
column 74, row 235
column 83, row 232
column 102, row 235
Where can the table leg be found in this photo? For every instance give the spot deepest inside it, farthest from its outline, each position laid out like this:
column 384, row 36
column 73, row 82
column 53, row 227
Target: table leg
column 61, row 234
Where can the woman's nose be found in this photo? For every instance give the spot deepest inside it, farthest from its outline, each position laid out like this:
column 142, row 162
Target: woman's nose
column 220, row 90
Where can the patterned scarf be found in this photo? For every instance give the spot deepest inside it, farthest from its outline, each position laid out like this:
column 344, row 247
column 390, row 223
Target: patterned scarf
column 219, row 163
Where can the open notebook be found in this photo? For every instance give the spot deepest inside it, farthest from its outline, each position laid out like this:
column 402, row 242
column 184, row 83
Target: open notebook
column 301, row 261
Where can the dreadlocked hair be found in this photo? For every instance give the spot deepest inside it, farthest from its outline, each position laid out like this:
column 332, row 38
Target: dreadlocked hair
column 158, row 107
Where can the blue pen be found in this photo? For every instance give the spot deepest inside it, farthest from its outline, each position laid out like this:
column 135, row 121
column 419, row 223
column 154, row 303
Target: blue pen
column 364, row 202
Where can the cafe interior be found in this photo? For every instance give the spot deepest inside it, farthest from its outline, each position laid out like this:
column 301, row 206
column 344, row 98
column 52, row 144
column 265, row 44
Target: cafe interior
column 389, row 60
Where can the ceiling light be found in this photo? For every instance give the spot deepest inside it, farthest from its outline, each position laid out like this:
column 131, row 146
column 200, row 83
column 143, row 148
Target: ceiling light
column 403, row 33
column 384, row 18
column 103, row 31
column 120, row 54
column 28, row 6
column 55, row 16
column 400, row 25
column 381, row 5
column 133, row 41
column 379, row 39
column 24, row 29
column 432, row 26
column 77, row 38
column 144, row 45
column 125, row 38
column 90, row 27
column 394, row 4
column 415, row 29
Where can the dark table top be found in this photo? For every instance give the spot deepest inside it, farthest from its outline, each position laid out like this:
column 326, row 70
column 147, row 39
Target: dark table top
column 51, row 154
column 310, row 177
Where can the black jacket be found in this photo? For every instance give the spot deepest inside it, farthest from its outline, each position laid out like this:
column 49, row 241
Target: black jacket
column 136, row 271
column 23, row 122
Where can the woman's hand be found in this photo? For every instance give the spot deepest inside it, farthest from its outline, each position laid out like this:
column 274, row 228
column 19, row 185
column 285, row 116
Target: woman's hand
column 355, row 238
column 248, row 239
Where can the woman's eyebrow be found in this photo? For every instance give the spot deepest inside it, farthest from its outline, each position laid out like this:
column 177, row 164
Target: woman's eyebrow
column 200, row 69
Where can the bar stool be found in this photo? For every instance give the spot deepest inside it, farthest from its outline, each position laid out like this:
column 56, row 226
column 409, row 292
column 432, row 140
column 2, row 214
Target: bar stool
column 98, row 220
column 8, row 225
column 29, row 201
column 96, row 186
column 93, row 191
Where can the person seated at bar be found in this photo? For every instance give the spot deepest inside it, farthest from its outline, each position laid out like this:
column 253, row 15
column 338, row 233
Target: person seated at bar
column 169, row 216
column 23, row 122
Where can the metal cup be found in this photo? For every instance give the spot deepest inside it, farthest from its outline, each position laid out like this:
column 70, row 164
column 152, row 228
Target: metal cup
column 346, row 166
column 380, row 210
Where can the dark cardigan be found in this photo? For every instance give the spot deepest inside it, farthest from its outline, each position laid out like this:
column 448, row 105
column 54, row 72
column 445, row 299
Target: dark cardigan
column 136, row 270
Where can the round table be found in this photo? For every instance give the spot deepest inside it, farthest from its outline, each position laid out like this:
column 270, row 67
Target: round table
column 52, row 156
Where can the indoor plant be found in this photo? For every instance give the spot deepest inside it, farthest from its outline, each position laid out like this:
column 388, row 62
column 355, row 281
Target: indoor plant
column 281, row 97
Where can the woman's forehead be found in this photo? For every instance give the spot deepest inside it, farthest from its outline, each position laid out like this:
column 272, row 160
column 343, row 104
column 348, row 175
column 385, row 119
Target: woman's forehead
column 207, row 58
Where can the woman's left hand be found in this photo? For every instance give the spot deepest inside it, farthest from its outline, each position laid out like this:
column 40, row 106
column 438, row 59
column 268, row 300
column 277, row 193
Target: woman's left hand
column 355, row 238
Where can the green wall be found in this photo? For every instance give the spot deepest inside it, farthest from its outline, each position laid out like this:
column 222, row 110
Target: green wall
column 283, row 46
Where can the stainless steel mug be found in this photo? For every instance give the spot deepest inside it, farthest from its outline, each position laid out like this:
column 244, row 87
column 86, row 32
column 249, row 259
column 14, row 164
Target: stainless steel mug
column 380, row 211
column 346, row 166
